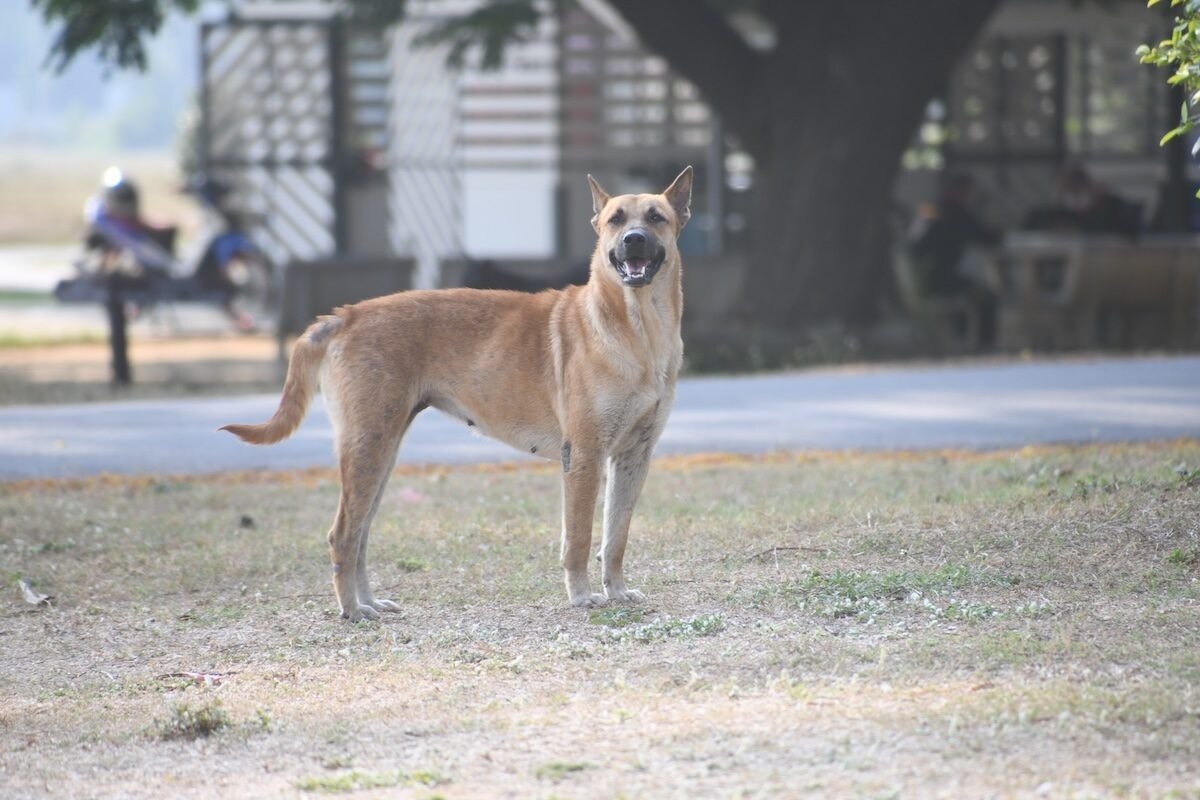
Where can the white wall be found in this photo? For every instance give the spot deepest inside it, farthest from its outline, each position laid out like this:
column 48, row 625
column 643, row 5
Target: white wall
column 509, row 213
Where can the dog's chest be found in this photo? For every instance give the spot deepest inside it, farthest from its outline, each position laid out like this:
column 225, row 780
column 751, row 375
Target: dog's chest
column 639, row 409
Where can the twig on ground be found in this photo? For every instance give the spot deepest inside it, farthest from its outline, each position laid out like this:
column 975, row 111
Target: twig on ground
column 198, row 678
column 778, row 548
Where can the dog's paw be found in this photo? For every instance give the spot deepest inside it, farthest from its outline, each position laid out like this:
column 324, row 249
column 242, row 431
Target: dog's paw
column 626, row 596
column 360, row 613
column 385, row 605
column 592, row 600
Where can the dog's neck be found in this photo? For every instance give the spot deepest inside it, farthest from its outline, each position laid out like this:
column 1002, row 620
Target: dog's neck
column 662, row 300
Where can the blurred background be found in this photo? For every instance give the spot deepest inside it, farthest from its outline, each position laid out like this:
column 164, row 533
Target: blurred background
column 874, row 181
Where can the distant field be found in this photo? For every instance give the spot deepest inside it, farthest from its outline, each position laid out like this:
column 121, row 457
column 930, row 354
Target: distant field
column 902, row 626
column 42, row 192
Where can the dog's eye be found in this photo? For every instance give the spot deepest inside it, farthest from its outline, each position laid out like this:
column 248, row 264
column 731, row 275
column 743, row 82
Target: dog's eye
column 653, row 217
column 617, row 218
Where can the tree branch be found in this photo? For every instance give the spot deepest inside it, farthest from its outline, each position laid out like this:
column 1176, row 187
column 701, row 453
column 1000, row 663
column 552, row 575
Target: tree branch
column 698, row 43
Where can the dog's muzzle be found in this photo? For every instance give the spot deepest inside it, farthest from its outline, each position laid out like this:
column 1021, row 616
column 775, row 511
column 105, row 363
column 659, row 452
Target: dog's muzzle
column 637, row 257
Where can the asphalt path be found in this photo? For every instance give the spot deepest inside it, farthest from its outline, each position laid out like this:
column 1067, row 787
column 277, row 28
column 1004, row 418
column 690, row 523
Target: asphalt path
column 974, row 406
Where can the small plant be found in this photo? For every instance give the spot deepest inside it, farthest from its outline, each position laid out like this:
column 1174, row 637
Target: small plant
column 427, row 777
column 1188, row 476
column 351, row 782
column 338, row 761
column 557, row 770
column 616, row 617
column 670, row 628
column 866, row 595
column 968, row 612
column 1184, row 556
column 1043, row 476
column 357, row 780
column 1087, row 485
column 1034, row 609
column 408, row 564
column 193, row 722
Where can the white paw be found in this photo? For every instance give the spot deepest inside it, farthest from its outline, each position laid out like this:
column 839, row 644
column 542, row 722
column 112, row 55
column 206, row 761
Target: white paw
column 625, row 596
column 360, row 613
column 592, row 600
column 385, row 605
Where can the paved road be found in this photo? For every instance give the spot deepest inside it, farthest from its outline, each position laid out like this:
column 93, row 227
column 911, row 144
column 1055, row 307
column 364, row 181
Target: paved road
column 977, row 406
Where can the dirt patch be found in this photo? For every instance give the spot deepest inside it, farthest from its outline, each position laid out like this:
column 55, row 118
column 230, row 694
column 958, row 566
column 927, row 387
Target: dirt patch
column 163, row 367
column 1020, row 624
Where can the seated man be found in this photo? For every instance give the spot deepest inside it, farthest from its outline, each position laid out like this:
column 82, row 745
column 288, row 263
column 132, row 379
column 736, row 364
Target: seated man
column 939, row 242
column 116, row 226
column 1085, row 206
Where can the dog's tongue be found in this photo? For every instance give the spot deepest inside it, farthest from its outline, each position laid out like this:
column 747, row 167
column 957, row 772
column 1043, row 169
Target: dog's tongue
column 635, row 267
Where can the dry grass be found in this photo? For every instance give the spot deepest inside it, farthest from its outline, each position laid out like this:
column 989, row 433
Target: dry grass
column 163, row 367
column 1022, row 624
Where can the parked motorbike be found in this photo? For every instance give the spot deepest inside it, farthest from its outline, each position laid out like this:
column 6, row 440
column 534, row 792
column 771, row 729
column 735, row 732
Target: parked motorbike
column 230, row 270
column 129, row 265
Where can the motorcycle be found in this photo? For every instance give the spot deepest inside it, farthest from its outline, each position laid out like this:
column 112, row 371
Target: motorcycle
column 129, row 265
column 124, row 256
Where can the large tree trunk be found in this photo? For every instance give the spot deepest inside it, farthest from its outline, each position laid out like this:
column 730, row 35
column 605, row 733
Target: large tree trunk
column 827, row 113
column 819, row 236
column 841, row 101
column 821, row 232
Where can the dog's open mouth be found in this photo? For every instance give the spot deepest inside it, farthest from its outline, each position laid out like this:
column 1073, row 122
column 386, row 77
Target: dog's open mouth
column 636, row 270
column 633, row 269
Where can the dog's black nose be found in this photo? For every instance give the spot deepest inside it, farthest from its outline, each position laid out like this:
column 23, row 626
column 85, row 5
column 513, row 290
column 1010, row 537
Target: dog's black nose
column 634, row 238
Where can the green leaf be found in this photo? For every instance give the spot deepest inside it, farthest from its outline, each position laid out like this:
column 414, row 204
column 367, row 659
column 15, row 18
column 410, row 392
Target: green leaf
column 1171, row 134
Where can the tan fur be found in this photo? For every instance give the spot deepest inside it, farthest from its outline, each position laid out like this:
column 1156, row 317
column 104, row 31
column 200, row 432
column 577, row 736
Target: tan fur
column 585, row 375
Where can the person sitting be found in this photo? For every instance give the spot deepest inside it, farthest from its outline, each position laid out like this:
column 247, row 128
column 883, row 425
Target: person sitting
column 939, row 243
column 116, row 224
column 1085, row 206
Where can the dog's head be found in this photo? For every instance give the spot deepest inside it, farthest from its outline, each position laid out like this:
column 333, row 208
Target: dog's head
column 637, row 232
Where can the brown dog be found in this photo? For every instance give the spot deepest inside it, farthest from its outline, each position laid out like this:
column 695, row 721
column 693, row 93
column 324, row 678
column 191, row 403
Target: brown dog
column 586, row 374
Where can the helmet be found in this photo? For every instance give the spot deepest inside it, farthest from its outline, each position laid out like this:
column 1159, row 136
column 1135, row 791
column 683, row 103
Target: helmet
column 119, row 194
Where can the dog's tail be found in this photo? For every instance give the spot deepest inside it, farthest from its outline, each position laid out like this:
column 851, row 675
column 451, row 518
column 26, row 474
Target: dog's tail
column 298, row 389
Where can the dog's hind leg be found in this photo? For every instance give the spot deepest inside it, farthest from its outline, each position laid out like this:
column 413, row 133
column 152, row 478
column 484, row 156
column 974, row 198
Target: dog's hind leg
column 365, row 461
column 365, row 596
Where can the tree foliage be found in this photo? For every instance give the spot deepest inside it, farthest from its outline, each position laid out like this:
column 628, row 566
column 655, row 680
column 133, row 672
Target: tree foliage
column 117, row 29
column 490, row 27
column 1181, row 53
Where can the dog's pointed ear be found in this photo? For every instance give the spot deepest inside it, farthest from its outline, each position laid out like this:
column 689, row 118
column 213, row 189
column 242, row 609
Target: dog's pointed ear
column 599, row 199
column 679, row 195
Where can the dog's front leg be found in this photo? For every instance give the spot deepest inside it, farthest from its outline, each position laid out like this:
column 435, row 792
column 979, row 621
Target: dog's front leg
column 581, row 461
column 626, row 476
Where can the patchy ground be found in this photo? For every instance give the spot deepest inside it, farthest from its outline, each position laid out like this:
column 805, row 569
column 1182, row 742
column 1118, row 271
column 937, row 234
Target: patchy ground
column 949, row 625
column 70, row 371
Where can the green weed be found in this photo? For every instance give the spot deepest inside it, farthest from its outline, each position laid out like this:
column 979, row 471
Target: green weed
column 557, row 770
column 407, row 564
column 618, row 617
column 670, row 628
column 1184, row 556
column 866, row 594
column 193, row 722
